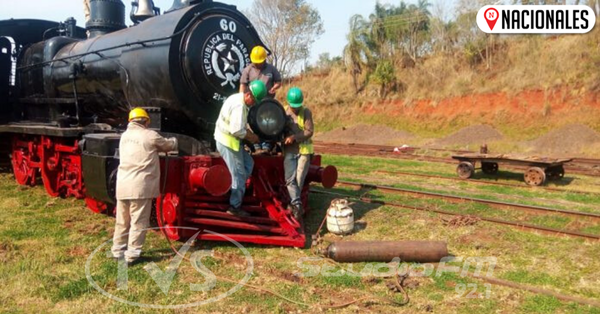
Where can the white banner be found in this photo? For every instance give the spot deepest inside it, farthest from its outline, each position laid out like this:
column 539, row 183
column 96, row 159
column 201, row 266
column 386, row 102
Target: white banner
column 536, row 19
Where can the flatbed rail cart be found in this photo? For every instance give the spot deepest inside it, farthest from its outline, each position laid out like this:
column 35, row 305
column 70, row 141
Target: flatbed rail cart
column 538, row 168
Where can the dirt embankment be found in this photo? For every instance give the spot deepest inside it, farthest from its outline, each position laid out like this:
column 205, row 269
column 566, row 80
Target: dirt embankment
column 538, row 104
column 570, row 140
column 559, row 121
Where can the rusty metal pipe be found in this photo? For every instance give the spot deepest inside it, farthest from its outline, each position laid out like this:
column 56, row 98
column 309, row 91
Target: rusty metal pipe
column 386, row 251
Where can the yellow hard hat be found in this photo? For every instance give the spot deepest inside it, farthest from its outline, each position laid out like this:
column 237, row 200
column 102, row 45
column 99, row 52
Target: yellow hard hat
column 258, row 54
column 136, row 113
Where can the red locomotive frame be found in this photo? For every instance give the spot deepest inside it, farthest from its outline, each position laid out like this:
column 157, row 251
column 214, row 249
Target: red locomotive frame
column 195, row 191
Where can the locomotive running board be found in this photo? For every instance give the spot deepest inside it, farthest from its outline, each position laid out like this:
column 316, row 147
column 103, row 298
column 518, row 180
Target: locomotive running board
column 270, row 223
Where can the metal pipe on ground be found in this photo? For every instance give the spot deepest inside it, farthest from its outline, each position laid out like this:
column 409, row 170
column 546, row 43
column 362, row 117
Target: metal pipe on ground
column 386, row 251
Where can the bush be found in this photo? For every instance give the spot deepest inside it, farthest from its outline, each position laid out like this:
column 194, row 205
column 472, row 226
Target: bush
column 385, row 76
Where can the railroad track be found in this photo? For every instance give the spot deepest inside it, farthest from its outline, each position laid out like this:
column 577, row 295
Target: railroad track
column 471, row 199
column 517, row 224
column 403, row 173
column 583, row 166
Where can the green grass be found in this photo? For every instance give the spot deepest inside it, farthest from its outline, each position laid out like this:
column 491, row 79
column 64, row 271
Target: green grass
column 360, row 169
column 44, row 243
column 541, row 304
column 531, row 277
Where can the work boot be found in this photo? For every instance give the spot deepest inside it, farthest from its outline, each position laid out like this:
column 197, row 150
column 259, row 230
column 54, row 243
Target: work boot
column 238, row 212
column 122, row 259
column 266, row 147
column 296, row 211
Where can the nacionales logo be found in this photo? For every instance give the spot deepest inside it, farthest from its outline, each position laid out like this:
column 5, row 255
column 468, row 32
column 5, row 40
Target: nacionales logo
column 536, row 19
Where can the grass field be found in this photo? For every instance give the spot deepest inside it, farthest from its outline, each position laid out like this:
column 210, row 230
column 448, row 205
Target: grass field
column 45, row 242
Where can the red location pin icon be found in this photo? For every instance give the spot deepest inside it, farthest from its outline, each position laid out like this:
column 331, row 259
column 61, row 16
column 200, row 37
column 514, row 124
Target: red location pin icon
column 491, row 17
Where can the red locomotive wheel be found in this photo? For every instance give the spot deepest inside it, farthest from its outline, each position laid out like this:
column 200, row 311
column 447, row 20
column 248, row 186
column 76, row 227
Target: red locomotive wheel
column 95, row 206
column 169, row 208
column 172, row 232
column 24, row 173
column 170, row 203
column 50, row 167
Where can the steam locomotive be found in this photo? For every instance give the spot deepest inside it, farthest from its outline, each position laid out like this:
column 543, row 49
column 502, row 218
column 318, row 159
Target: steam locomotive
column 65, row 93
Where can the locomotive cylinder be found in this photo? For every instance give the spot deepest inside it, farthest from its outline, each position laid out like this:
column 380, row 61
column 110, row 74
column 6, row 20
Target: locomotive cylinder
column 386, row 251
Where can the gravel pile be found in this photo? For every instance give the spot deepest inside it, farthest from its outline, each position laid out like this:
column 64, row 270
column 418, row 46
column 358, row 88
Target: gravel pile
column 570, row 139
column 475, row 134
column 365, row 134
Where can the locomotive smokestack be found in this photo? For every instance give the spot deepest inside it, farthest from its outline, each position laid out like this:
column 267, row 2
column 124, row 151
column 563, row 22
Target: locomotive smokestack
column 105, row 16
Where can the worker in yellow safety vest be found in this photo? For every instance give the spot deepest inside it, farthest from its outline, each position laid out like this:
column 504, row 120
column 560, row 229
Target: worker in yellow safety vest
column 230, row 130
column 298, row 148
column 138, row 181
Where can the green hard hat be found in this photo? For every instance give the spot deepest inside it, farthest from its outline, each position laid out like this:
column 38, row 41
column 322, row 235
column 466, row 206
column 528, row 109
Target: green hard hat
column 258, row 89
column 295, row 97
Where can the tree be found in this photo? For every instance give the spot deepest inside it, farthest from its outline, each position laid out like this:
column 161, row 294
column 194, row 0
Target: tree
column 443, row 30
column 288, row 28
column 385, row 76
column 325, row 62
column 403, row 28
column 416, row 29
column 357, row 54
column 477, row 46
column 378, row 35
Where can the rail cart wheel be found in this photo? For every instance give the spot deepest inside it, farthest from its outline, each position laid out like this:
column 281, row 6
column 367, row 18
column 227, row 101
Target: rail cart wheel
column 535, row 176
column 489, row 167
column 465, row 170
column 555, row 173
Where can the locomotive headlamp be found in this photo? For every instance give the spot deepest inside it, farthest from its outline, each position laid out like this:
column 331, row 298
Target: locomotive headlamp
column 267, row 119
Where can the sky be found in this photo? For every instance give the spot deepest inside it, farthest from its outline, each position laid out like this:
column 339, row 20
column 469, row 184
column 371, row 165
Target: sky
column 334, row 13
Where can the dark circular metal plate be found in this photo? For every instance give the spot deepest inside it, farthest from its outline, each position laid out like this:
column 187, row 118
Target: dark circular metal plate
column 267, row 119
column 216, row 50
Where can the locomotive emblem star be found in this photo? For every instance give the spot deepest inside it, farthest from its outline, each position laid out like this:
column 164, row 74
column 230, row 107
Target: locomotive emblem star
column 228, row 63
column 227, row 71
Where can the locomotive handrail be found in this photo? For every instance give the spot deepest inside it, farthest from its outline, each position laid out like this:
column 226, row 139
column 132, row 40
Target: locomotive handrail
column 127, row 44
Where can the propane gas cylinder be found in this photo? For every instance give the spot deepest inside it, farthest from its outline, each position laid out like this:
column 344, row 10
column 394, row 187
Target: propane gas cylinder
column 340, row 217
